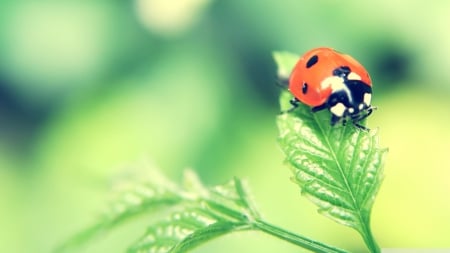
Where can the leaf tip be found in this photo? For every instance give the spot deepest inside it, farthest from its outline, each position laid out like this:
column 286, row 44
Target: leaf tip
column 285, row 61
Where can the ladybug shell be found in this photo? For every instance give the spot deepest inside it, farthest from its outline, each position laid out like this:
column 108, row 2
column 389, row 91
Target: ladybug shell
column 314, row 67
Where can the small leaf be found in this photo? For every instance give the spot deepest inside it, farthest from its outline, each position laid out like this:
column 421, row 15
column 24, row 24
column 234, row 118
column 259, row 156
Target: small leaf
column 208, row 233
column 285, row 62
column 131, row 198
column 197, row 214
column 184, row 231
column 215, row 211
column 339, row 168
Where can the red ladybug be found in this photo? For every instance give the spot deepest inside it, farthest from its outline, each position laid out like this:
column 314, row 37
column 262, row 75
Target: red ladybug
column 326, row 79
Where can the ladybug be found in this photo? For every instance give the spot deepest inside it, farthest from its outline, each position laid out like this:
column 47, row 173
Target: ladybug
column 324, row 78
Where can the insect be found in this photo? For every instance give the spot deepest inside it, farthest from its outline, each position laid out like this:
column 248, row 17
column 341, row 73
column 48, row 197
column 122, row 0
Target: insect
column 324, row 78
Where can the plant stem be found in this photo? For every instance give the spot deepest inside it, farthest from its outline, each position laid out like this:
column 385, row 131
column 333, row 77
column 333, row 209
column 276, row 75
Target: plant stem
column 368, row 237
column 296, row 239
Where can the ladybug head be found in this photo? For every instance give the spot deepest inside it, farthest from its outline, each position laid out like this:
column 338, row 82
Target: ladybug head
column 350, row 97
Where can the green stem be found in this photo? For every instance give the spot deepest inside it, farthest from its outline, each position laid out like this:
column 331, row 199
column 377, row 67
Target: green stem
column 295, row 239
column 368, row 237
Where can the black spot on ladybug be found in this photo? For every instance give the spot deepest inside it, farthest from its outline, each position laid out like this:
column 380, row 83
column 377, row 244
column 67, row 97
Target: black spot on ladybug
column 342, row 71
column 313, row 60
column 304, row 88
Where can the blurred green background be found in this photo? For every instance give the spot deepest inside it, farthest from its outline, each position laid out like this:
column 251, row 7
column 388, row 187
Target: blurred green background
column 89, row 89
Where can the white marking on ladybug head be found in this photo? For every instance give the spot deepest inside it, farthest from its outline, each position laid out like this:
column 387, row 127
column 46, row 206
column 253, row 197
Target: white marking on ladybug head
column 361, row 106
column 353, row 76
column 335, row 82
column 338, row 109
column 351, row 110
column 367, row 98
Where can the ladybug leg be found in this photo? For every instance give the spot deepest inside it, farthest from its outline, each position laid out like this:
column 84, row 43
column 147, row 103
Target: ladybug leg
column 295, row 103
column 365, row 115
column 370, row 110
column 319, row 107
column 361, row 117
column 335, row 119
column 361, row 127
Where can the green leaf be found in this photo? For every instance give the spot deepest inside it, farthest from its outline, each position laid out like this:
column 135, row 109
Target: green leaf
column 217, row 211
column 339, row 168
column 197, row 214
column 133, row 196
column 184, row 231
column 285, row 62
column 210, row 212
